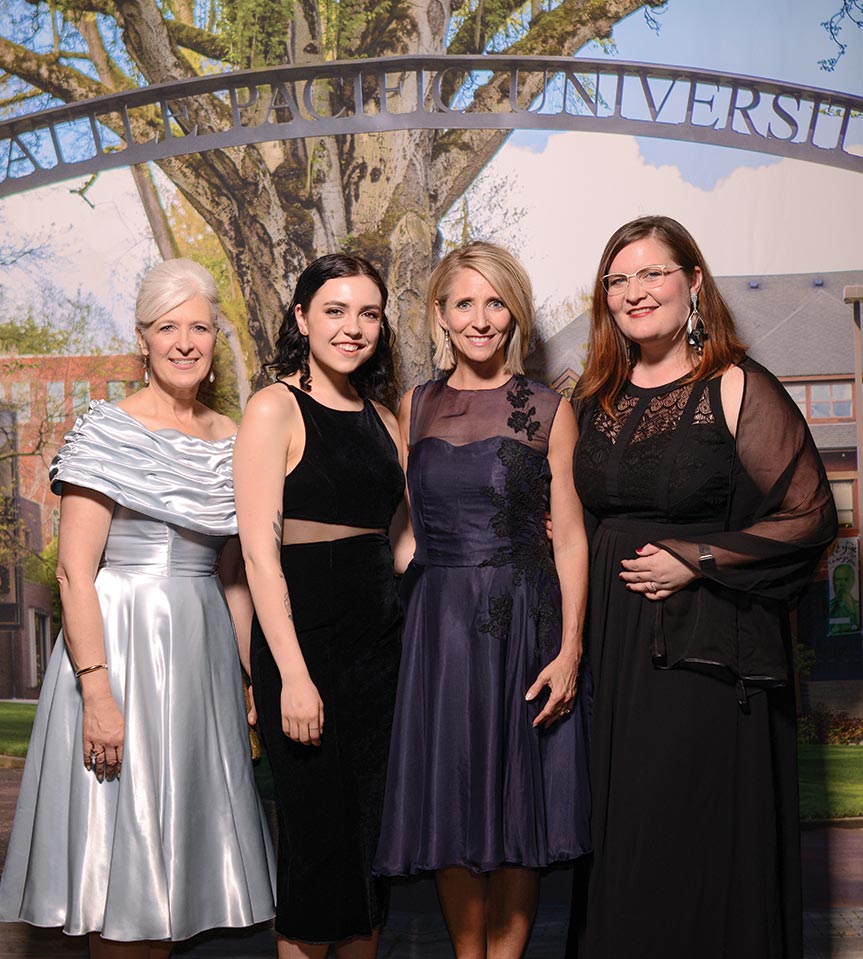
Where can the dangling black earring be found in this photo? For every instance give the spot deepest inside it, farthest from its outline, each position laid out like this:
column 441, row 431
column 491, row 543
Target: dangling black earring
column 696, row 333
column 305, row 370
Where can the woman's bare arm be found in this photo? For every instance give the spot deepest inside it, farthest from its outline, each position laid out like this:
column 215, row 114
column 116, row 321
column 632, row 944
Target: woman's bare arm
column 570, row 560
column 85, row 518
column 270, row 433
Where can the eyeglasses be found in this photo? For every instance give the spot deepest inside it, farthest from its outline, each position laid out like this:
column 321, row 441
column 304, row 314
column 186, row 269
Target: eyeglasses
column 648, row 277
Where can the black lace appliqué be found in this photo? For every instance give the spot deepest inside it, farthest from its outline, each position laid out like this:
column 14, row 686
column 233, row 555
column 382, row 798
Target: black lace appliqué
column 521, row 419
column 519, row 523
column 499, row 622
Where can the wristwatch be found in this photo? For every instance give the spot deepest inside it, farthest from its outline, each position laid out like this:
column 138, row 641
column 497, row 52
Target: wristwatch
column 706, row 559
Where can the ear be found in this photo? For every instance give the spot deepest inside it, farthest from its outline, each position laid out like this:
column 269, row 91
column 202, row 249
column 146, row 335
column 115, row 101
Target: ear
column 142, row 343
column 438, row 312
column 302, row 326
column 695, row 283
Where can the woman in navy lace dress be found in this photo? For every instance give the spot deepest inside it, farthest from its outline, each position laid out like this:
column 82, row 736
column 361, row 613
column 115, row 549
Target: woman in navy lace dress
column 713, row 510
column 487, row 781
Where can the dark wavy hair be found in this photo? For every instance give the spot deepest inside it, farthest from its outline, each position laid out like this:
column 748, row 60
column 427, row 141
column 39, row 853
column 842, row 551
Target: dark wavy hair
column 375, row 379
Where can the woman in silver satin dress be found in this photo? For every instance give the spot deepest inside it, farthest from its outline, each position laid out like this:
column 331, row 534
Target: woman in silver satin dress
column 138, row 820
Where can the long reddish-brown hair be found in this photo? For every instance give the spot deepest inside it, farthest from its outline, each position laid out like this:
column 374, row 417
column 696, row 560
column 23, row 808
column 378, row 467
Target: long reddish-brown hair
column 608, row 360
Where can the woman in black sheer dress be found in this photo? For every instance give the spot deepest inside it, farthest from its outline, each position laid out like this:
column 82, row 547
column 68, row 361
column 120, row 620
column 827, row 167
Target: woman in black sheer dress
column 713, row 509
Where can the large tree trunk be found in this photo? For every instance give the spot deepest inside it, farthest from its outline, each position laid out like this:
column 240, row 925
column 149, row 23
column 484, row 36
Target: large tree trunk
column 274, row 207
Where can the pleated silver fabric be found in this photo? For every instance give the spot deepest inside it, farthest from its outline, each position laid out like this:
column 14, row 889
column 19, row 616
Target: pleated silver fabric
column 179, row 843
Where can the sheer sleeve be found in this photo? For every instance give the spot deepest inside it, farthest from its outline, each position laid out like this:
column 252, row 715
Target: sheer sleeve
column 781, row 514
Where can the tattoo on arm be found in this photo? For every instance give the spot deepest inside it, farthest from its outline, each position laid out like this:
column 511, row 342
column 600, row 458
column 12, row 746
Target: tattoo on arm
column 277, row 529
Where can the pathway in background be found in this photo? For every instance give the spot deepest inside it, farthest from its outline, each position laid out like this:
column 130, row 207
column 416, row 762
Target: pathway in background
column 833, row 898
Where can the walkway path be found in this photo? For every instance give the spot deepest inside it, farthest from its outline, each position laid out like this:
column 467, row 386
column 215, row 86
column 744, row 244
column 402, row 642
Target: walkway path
column 833, row 920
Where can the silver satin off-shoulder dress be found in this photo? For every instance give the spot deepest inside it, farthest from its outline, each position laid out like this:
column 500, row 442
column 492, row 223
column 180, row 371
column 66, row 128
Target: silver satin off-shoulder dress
column 179, row 843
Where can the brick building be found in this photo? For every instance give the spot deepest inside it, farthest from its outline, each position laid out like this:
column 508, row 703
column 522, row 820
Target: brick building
column 40, row 397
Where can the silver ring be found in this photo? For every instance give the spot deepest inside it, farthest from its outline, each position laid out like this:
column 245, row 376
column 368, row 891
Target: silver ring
column 652, row 588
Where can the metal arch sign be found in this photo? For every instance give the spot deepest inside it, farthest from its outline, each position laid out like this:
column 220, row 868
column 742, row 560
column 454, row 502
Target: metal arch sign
column 433, row 93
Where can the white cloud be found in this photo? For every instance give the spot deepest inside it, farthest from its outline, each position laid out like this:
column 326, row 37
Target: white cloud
column 99, row 249
column 788, row 217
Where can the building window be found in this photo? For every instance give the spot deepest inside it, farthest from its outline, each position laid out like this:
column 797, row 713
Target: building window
column 116, row 390
column 40, row 645
column 80, row 396
column 21, row 401
column 821, row 400
column 843, row 496
column 55, row 398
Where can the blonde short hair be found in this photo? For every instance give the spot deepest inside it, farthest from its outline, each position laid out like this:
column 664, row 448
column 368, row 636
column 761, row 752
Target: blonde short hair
column 168, row 285
column 511, row 282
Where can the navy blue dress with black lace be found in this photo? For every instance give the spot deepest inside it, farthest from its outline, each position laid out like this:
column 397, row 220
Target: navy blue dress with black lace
column 470, row 782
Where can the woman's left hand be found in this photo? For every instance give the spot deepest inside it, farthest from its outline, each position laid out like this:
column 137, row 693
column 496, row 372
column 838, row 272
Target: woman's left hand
column 561, row 677
column 655, row 573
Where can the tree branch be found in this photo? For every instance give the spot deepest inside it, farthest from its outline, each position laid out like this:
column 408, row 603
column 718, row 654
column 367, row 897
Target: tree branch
column 46, row 73
column 20, row 98
column 198, row 41
column 483, row 23
column 183, row 33
column 108, row 71
column 146, row 37
column 459, row 155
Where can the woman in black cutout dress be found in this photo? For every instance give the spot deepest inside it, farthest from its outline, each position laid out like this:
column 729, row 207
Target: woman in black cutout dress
column 318, row 480
column 713, row 509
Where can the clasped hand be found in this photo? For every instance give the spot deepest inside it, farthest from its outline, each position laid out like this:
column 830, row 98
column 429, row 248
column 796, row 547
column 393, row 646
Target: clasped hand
column 655, row 573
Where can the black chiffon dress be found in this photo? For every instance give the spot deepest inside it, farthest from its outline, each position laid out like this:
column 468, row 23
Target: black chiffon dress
column 693, row 752
column 347, row 616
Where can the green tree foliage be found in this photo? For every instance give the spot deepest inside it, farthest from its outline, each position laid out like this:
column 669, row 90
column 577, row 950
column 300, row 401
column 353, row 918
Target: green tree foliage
column 275, row 206
column 41, row 568
column 255, row 30
column 57, row 324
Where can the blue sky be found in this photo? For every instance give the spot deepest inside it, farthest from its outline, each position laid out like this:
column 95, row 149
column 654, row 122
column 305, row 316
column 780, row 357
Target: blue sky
column 567, row 192
column 775, row 39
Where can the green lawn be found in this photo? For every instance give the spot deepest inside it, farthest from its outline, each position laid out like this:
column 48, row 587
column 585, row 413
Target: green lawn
column 16, row 720
column 831, row 777
column 831, row 782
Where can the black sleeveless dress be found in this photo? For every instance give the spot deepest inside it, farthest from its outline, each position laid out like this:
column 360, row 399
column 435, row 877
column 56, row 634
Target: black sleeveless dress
column 695, row 797
column 347, row 616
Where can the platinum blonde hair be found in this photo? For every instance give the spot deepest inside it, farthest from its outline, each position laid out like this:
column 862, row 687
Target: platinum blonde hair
column 170, row 284
column 511, row 282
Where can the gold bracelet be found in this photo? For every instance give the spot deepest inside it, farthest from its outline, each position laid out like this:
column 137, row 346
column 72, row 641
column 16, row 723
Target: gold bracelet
column 89, row 669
